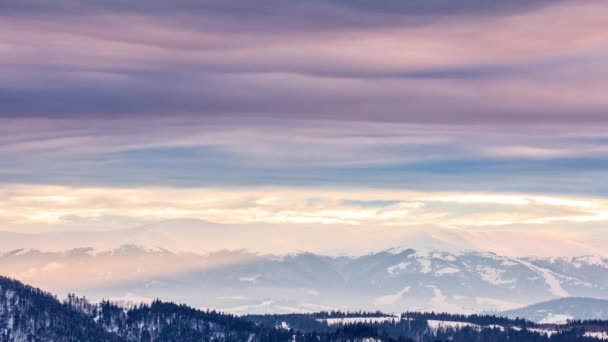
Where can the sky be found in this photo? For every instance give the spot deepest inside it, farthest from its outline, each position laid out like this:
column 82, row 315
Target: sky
column 472, row 115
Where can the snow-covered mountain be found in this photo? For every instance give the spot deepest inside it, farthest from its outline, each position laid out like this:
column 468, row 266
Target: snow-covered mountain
column 392, row 280
column 563, row 309
column 190, row 235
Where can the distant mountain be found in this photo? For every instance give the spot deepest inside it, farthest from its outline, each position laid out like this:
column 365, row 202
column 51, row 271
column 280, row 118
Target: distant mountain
column 29, row 314
column 563, row 309
column 393, row 280
column 196, row 236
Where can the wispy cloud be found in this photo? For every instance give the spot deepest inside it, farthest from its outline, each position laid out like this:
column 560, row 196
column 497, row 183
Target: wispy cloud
column 116, row 113
column 29, row 206
column 159, row 61
column 224, row 152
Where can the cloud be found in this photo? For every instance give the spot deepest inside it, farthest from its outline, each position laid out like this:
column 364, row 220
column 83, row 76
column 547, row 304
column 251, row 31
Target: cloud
column 46, row 207
column 296, row 14
column 268, row 152
column 466, row 109
column 491, row 63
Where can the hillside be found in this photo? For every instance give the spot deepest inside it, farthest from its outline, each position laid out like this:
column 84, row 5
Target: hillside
column 29, row 314
column 562, row 310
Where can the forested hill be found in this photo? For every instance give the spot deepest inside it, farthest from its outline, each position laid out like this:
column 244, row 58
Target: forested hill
column 29, row 314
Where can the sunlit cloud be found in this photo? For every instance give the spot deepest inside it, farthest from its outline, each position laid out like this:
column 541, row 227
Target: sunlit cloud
column 51, row 207
column 472, row 115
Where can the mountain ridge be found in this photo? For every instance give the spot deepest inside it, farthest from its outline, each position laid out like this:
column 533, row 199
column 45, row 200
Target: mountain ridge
column 562, row 309
column 192, row 235
column 240, row 281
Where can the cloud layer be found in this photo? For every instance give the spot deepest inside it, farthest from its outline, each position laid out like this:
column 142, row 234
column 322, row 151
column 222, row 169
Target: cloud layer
column 417, row 62
column 454, row 106
column 65, row 207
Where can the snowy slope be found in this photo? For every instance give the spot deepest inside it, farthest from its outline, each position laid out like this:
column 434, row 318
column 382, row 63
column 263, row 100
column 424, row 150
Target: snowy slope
column 392, row 280
column 560, row 310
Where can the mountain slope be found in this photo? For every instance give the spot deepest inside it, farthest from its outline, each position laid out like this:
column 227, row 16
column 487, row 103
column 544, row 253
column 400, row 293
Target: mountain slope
column 188, row 235
column 28, row 314
column 243, row 282
column 563, row 309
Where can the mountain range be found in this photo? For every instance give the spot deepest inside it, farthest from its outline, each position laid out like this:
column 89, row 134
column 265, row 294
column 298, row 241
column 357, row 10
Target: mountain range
column 238, row 281
column 197, row 236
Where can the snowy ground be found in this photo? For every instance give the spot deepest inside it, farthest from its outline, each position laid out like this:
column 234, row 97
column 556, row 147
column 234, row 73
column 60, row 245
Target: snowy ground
column 351, row 320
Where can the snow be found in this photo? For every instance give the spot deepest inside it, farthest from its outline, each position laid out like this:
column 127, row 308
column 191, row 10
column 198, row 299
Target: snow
column 493, row 275
column 592, row 260
column 397, row 250
column 495, row 326
column 583, row 260
column 508, row 263
column 351, row 320
column 24, row 251
column 439, row 302
column 576, row 281
column 554, row 284
column 546, row 332
column 251, row 279
column 396, row 268
column 447, row 270
column 391, row 299
column 555, row 319
column 443, row 256
column 425, row 265
column 600, row 335
column 435, row 325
